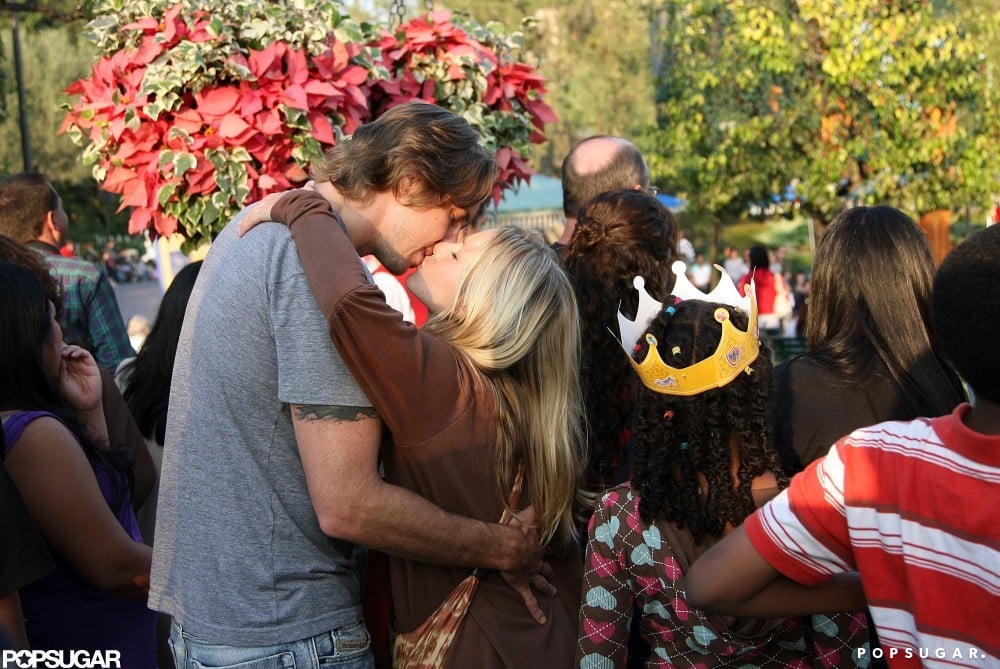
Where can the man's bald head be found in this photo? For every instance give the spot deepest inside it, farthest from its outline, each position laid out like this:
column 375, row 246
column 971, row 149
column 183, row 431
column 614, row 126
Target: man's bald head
column 598, row 165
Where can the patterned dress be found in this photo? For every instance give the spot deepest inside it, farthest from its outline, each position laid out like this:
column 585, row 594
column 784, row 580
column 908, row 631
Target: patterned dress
column 630, row 562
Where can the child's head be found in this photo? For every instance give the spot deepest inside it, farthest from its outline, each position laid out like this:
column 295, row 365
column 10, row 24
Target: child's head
column 964, row 305
column 685, row 445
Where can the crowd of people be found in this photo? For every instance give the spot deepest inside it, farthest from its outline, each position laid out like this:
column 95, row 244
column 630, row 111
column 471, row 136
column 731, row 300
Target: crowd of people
column 581, row 455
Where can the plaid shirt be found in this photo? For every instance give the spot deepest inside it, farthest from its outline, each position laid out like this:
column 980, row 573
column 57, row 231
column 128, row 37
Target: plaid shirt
column 91, row 317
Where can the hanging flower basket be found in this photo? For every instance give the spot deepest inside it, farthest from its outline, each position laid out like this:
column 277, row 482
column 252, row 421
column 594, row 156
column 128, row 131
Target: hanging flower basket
column 190, row 113
column 472, row 70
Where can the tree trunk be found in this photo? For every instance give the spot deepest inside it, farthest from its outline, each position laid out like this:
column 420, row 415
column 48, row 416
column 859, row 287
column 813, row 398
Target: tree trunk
column 716, row 244
column 935, row 225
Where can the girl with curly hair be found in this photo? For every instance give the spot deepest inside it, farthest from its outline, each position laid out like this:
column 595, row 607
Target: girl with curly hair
column 618, row 235
column 703, row 462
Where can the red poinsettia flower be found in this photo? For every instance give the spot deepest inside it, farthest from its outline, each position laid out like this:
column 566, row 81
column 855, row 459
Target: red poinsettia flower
column 186, row 143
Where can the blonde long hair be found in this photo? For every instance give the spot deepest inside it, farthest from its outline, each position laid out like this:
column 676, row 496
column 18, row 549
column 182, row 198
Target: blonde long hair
column 515, row 319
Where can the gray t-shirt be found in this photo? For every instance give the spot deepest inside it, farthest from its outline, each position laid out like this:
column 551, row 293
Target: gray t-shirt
column 240, row 558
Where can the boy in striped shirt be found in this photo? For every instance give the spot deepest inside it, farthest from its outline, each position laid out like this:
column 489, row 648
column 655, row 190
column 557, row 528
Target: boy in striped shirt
column 909, row 506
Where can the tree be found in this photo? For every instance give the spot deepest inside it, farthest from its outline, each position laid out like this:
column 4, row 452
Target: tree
column 904, row 98
column 727, row 103
column 891, row 102
column 595, row 57
column 53, row 57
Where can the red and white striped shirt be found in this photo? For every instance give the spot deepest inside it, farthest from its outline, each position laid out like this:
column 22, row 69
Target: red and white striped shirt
column 912, row 506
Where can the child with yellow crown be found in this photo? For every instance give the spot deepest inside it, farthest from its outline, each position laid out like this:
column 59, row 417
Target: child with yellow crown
column 704, row 461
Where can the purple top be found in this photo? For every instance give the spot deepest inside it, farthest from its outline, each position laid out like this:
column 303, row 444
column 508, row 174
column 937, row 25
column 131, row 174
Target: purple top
column 64, row 612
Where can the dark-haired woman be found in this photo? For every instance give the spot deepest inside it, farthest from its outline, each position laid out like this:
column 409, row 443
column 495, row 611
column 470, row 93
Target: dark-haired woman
column 619, row 235
column 73, row 485
column 871, row 354
column 122, row 430
column 703, row 463
column 145, row 379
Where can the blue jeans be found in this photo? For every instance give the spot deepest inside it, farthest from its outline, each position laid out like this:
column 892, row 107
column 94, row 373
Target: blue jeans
column 347, row 647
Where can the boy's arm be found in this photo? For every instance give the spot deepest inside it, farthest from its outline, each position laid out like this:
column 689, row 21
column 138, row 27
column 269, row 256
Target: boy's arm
column 733, row 578
column 790, row 557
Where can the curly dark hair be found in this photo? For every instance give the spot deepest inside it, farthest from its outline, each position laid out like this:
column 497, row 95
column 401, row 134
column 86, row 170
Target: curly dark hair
column 967, row 282
column 619, row 235
column 684, row 443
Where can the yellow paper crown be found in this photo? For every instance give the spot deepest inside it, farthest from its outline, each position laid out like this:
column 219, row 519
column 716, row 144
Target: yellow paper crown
column 733, row 356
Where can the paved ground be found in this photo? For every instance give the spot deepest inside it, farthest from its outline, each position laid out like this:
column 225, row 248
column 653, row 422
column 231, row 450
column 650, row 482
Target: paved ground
column 142, row 298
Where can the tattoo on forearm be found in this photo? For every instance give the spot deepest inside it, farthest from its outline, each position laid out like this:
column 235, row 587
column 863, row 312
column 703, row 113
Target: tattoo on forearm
column 337, row 413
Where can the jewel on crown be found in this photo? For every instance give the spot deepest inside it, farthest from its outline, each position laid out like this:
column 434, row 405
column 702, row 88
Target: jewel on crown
column 736, row 351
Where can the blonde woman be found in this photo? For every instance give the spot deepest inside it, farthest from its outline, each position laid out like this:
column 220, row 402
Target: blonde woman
column 488, row 387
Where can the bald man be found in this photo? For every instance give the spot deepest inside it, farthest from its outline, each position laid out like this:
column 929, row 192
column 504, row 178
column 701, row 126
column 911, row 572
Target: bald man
column 597, row 165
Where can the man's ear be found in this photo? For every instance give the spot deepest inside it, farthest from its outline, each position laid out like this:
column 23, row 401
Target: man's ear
column 50, row 230
column 408, row 189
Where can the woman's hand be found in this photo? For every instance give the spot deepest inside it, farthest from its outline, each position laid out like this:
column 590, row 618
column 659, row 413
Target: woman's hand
column 79, row 381
column 260, row 211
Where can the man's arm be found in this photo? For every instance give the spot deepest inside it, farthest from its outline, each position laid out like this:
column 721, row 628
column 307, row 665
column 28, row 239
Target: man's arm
column 108, row 337
column 732, row 578
column 339, row 450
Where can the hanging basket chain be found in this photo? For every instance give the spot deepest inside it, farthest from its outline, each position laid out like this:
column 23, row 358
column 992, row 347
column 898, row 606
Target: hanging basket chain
column 397, row 12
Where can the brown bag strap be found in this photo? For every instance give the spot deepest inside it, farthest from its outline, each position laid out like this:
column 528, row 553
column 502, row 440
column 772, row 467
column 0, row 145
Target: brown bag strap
column 515, row 496
column 512, row 503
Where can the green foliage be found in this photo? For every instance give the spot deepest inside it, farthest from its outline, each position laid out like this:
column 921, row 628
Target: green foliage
column 595, row 57
column 904, row 100
column 892, row 102
column 772, row 234
column 302, row 24
column 726, row 105
column 53, row 58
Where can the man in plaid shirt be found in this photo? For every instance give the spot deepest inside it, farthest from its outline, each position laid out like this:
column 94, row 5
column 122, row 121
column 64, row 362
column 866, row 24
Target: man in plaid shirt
column 31, row 212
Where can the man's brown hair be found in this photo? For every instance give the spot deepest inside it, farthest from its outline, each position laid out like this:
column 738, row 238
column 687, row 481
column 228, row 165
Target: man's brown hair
column 25, row 199
column 417, row 150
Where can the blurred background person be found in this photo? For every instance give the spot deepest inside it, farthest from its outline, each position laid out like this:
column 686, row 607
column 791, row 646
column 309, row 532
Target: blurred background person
column 31, row 212
column 765, row 284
